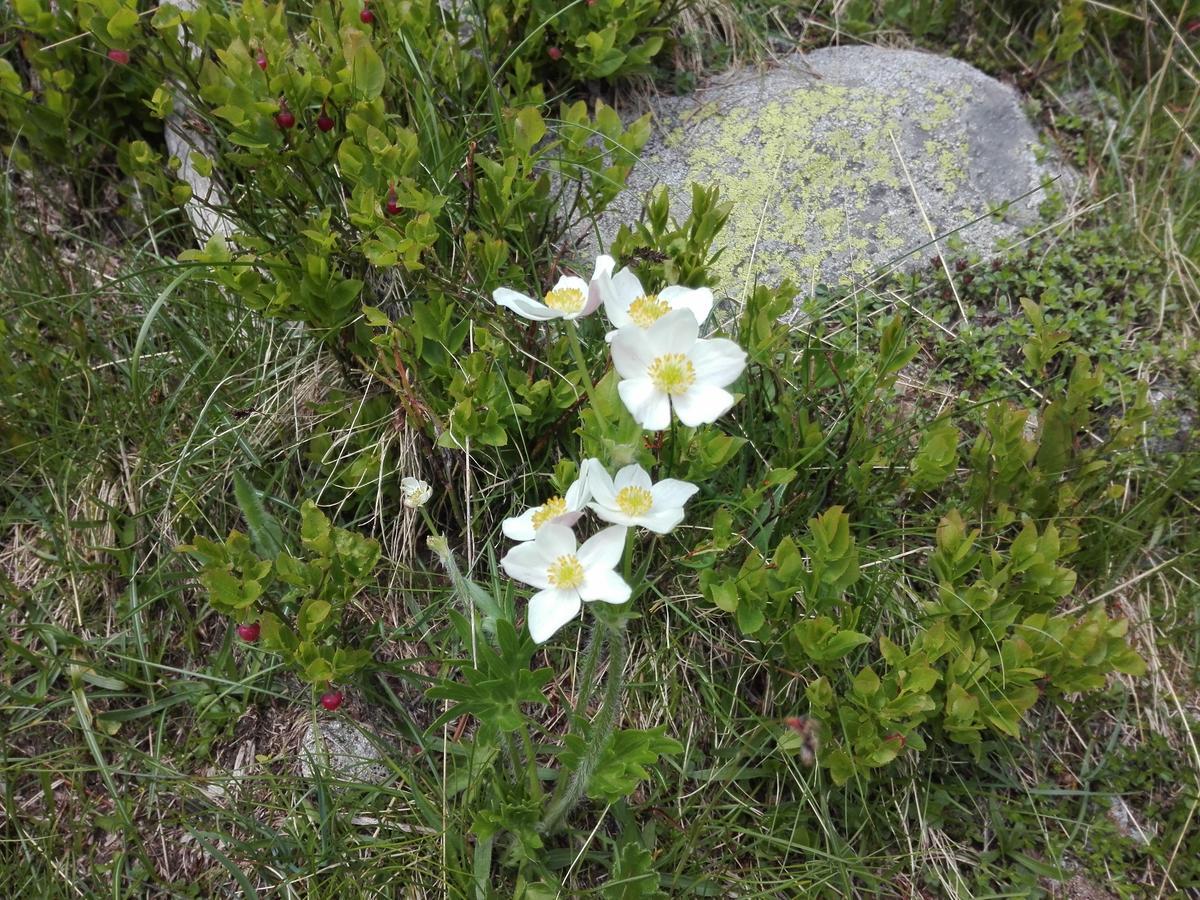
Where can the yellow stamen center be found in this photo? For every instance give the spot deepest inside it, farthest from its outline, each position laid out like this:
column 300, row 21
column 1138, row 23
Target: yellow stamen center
column 634, row 501
column 551, row 509
column 672, row 373
column 566, row 300
column 566, row 572
column 647, row 309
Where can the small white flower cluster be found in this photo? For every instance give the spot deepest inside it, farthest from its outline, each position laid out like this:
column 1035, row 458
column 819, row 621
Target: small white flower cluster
column 663, row 364
column 566, row 574
column 657, row 350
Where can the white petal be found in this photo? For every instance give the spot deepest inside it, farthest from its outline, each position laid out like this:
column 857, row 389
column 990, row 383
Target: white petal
column 524, row 306
column 632, row 475
column 671, row 493
column 551, row 610
column 601, row 485
column 649, row 406
column 568, row 518
column 601, row 277
column 627, row 287
column 660, row 521
column 526, row 563
column 605, row 585
column 702, row 404
column 612, row 514
column 580, row 492
column 571, row 282
column 603, row 550
column 554, row 540
column 604, row 266
column 676, row 332
column 632, row 352
column 520, row 528
column 698, row 300
column 718, row 361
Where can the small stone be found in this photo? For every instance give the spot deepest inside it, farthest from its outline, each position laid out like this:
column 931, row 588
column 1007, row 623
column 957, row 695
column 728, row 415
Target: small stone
column 1171, row 428
column 340, row 749
column 1122, row 817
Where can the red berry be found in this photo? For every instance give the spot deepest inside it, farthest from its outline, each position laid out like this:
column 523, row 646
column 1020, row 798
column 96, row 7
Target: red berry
column 366, row 17
column 249, row 633
column 392, row 207
column 324, row 122
column 331, row 700
column 284, row 119
column 554, row 53
column 262, row 60
column 120, row 57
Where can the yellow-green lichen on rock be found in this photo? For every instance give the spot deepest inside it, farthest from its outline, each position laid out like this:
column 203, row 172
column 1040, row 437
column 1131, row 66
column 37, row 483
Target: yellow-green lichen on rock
column 835, row 159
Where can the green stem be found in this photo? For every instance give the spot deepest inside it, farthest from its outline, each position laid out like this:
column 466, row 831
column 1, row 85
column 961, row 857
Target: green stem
column 580, row 362
column 628, row 567
column 583, row 688
column 535, row 784
column 598, row 735
column 674, row 455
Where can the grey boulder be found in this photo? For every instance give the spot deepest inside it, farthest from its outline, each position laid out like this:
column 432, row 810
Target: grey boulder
column 847, row 162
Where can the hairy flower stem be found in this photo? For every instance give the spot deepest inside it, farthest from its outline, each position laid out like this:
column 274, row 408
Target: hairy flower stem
column 674, row 455
column 535, row 784
column 583, row 690
column 599, row 733
column 581, row 362
column 473, row 597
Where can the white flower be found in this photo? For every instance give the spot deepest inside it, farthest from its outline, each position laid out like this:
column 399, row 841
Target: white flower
column 570, row 298
column 567, row 575
column 414, row 492
column 564, row 510
column 627, row 303
column 631, row 499
column 666, row 365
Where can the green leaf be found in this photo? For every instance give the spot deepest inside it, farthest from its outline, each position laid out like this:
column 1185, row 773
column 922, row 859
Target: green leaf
column 347, row 662
column 725, row 595
column 318, row 671
column 528, row 129
column 312, row 613
column 367, row 75
column 122, row 24
column 623, row 763
column 633, row 875
column 224, row 589
column 866, row 683
column 750, row 616
column 314, row 528
column 277, row 636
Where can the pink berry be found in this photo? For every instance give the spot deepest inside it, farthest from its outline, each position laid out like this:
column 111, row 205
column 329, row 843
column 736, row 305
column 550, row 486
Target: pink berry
column 284, row 119
column 120, row 57
column 249, row 633
column 324, row 122
column 331, row 700
column 366, row 17
column 554, row 53
column 262, row 61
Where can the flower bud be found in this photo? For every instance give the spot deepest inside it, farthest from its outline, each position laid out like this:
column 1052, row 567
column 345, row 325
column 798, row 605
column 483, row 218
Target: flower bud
column 440, row 547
